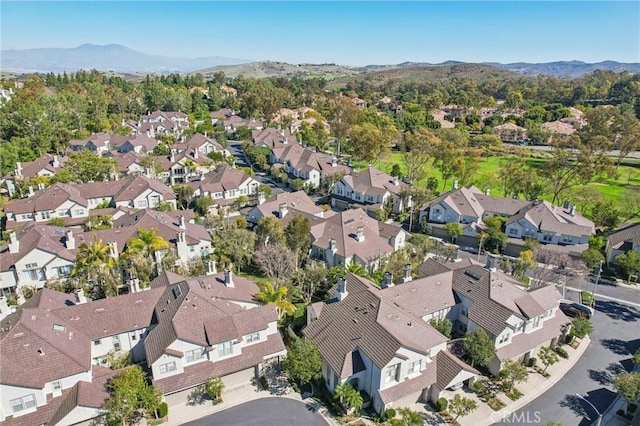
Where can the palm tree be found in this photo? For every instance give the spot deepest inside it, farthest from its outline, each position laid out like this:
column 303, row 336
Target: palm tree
column 357, row 269
column 349, row 396
column 147, row 243
column 94, row 263
column 275, row 296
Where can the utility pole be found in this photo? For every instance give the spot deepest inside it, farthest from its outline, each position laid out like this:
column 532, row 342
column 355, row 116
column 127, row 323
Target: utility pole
column 593, row 293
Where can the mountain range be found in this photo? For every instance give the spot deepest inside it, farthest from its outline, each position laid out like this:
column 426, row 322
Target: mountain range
column 121, row 59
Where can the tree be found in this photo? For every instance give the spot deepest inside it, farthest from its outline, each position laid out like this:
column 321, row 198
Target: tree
column 298, row 235
column 303, row 362
column 629, row 262
column 628, row 387
column 349, row 396
column 443, row 325
column 605, row 214
column 89, row 167
column 270, row 231
column 580, row 327
column 184, row 194
column 548, row 357
column 479, row 347
column 276, row 296
column 95, row 264
column 524, row 262
column 130, row 393
column 275, row 261
column 146, row 243
column 493, row 238
column 461, row 406
column 369, row 142
column 453, row 230
column 418, row 152
column 592, row 258
column 513, row 372
column 407, row 418
column 265, row 189
column 202, row 205
column 213, row 387
column 636, row 357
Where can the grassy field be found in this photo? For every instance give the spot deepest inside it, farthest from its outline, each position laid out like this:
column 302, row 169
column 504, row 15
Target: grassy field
column 487, row 176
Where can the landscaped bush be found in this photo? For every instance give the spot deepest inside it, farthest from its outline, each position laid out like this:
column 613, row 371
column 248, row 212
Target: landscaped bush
column 514, row 394
column 442, row 404
column 562, row 352
column 163, row 410
column 389, row 413
column 496, row 404
column 264, row 382
column 478, row 386
column 533, row 361
column 569, row 339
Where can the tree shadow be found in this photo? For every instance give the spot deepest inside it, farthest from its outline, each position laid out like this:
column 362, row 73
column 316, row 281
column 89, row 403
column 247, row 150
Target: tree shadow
column 616, row 368
column 617, row 346
column 602, row 377
column 618, row 311
column 196, row 397
column 573, row 403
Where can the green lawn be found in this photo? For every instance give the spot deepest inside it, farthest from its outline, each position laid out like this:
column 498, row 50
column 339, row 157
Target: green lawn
column 487, row 176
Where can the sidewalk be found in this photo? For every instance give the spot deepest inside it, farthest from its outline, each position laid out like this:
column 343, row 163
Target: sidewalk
column 535, row 386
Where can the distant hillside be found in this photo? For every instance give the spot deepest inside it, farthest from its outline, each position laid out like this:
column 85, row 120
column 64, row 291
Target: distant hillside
column 423, row 72
column 281, row 69
column 112, row 57
column 567, row 68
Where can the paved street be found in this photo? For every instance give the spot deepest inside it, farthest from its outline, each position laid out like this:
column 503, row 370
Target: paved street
column 235, row 149
column 615, row 338
column 264, row 412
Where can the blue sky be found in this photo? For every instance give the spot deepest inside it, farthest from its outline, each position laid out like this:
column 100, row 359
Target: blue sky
column 349, row 33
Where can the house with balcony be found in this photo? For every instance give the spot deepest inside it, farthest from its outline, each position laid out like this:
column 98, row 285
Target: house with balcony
column 182, row 166
column 354, row 236
column 381, row 347
column 201, row 143
column 369, row 188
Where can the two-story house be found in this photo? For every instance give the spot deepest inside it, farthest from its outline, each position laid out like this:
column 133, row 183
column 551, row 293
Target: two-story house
column 47, row 165
column 370, row 187
column 97, row 142
column 181, row 167
column 307, row 164
column 232, row 123
column 380, row 347
column 510, row 132
column 622, row 241
column 353, row 236
column 272, row 138
column 159, row 122
column 284, row 206
column 225, row 186
column 203, row 144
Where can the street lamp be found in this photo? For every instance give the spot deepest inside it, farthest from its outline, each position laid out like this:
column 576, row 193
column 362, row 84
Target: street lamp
column 593, row 293
column 480, row 245
column 592, row 406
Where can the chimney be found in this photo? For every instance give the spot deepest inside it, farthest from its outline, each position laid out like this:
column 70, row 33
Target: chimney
column 341, row 293
column 332, row 245
column 210, row 267
column 4, row 307
column 334, row 161
column 181, row 223
column 455, row 257
column 491, row 262
column 566, row 205
column 14, row 244
column 181, row 243
column 80, row 297
column 283, row 210
column 261, row 198
column 572, row 209
column 40, row 185
column 360, row 234
column 455, row 184
column 113, row 249
column 487, row 191
column 70, row 242
column 172, row 156
column 387, row 281
column 30, row 189
column 56, row 162
column 228, row 278
column 406, row 273
column 195, row 153
column 18, row 169
column 133, row 284
column 396, row 181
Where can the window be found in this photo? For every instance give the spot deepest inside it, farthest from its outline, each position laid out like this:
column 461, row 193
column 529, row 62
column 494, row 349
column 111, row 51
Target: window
column 116, row 343
column 513, row 231
column 465, row 311
column 217, row 195
column 45, row 215
column 97, row 342
column 192, row 249
column 62, row 271
column 168, row 367
column 31, row 265
column 26, row 217
column 225, row 348
column 415, row 366
column 253, row 337
column 63, row 212
column 504, row 338
column 391, row 373
column 194, row 355
column 547, row 237
column 33, row 274
column 142, row 203
column 78, row 212
column 536, row 322
column 23, row 403
column 56, row 386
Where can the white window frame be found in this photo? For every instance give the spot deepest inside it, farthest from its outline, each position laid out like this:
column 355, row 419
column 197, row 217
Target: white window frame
column 24, row 402
column 253, row 337
column 56, row 386
column 194, row 355
column 225, row 348
column 168, row 367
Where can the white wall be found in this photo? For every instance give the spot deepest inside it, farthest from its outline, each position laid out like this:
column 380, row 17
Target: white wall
column 131, row 341
column 8, row 393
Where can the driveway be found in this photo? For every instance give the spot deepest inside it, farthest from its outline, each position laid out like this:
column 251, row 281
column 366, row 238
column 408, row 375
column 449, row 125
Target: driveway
column 273, row 411
column 614, row 340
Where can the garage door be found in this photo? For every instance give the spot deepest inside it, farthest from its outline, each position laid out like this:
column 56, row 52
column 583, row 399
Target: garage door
column 241, row 378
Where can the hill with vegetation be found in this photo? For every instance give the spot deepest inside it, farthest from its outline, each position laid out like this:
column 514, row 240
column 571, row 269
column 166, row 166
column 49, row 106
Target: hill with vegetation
column 264, row 69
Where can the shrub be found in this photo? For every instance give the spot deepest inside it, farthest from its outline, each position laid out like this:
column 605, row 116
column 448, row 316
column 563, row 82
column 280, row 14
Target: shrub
column 163, row 410
column 389, row 413
column 562, row 352
column 477, row 385
column 533, row 361
column 442, row 404
column 264, row 382
column 569, row 339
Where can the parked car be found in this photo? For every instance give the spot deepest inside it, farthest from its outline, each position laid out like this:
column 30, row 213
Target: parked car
column 574, row 310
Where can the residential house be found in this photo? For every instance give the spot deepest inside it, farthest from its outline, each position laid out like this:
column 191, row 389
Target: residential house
column 210, row 326
column 359, row 103
column 307, row 164
column 203, row 144
column 285, row 205
column 170, row 122
column 225, row 186
column 376, row 345
column 54, row 347
column 510, row 132
column 559, row 129
column 220, row 115
column 181, row 167
column 525, row 219
column 369, row 187
column 518, row 321
column 98, row 143
column 622, row 241
column 272, row 138
column 576, row 118
column 232, row 123
column 140, row 144
column 441, row 117
column 47, row 165
column 58, row 200
column 353, row 236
